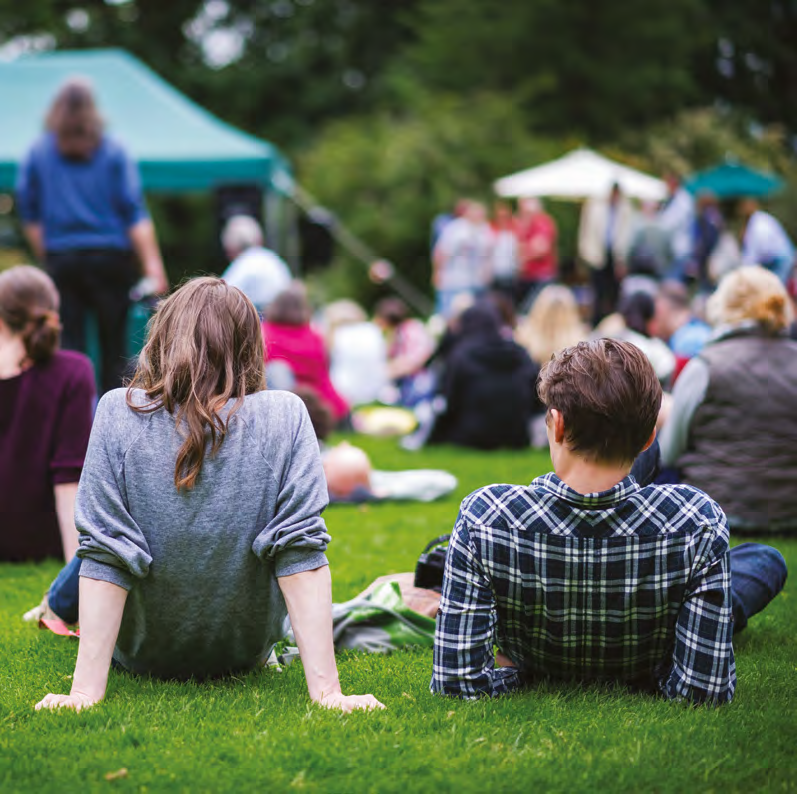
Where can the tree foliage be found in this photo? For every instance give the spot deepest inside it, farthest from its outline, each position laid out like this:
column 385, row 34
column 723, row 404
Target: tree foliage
column 387, row 175
column 577, row 66
column 278, row 69
column 751, row 63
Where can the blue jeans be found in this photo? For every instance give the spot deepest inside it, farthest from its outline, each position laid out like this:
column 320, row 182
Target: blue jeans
column 758, row 573
column 63, row 593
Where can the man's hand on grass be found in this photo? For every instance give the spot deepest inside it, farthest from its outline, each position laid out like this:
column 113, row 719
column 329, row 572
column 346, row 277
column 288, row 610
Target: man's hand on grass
column 76, row 701
column 348, row 703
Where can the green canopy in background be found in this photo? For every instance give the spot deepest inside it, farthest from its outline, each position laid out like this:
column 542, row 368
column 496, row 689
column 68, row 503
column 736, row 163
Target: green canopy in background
column 734, row 180
column 179, row 146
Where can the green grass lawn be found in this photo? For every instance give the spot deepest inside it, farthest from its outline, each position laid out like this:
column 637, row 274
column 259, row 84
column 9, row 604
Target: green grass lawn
column 260, row 733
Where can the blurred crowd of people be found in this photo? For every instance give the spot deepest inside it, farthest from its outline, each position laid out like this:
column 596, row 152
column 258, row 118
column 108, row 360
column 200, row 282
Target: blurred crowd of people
column 623, row 248
column 468, row 375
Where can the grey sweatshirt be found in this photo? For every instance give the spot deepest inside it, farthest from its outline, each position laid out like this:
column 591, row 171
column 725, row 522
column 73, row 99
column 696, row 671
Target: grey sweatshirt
column 201, row 566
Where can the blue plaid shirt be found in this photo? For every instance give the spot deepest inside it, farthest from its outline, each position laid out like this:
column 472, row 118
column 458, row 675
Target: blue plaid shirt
column 629, row 585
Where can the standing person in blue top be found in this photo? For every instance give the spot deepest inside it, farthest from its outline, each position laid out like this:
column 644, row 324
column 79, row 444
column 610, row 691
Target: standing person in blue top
column 84, row 217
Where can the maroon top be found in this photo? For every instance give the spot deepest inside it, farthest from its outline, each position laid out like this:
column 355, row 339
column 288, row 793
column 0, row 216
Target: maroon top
column 45, row 421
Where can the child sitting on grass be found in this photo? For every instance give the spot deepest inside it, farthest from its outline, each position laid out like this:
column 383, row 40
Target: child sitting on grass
column 585, row 574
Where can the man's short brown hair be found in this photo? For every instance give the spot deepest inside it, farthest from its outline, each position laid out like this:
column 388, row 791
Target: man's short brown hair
column 608, row 395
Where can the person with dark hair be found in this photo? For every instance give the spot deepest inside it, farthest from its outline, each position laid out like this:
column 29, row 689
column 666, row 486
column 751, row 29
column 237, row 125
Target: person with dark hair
column 290, row 338
column 409, row 347
column 585, row 574
column 706, row 232
column 634, row 322
column 318, row 411
column 765, row 242
column 604, row 238
column 46, row 399
column 488, row 387
column 84, row 216
column 202, row 494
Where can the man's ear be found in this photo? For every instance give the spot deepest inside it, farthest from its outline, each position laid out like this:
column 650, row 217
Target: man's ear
column 649, row 441
column 558, row 424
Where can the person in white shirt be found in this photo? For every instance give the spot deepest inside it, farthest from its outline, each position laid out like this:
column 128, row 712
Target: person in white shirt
column 604, row 238
column 357, row 353
column 676, row 218
column 463, row 258
column 258, row 272
column 765, row 241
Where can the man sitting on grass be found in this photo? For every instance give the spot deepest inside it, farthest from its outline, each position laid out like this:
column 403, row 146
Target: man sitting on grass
column 586, row 575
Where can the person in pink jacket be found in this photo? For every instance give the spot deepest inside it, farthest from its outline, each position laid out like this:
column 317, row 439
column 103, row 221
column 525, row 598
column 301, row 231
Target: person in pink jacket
column 288, row 337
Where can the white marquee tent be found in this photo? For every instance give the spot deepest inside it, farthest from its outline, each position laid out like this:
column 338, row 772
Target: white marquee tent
column 579, row 175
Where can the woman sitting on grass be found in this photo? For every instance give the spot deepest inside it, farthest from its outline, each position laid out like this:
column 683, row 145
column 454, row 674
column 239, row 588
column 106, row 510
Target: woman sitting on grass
column 199, row 512
column 46, row 398
column 732, row 428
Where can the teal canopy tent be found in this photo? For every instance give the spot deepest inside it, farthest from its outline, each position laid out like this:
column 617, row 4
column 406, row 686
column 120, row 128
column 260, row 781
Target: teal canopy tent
column 179, row 146
column 734, row 180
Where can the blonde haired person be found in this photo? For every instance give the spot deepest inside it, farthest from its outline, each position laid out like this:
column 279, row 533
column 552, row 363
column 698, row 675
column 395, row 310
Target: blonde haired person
column 732, row 428
column 552, row 324
column 200, row 512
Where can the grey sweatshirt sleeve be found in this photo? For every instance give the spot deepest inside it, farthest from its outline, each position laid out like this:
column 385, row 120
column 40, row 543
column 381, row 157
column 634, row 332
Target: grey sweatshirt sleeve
column 687, row 396
column 112, row 546
column 296, row 538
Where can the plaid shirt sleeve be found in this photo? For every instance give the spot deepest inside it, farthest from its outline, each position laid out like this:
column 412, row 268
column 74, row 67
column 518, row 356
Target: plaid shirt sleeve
column 464, row 664
column 703, row 668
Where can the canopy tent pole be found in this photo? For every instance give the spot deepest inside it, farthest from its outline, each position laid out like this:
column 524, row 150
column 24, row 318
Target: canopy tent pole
column 361, row 253
column 292, row 238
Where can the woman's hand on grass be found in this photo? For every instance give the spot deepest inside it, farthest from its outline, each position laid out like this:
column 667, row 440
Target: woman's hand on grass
column 308, row 596
column 76, row 701
column 348, row 703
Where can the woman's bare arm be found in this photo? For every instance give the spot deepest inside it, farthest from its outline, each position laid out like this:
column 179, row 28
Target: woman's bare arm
column 34, row 234
column 65, row 494
column 308, row 596
column 145, row 244
column 101, row 607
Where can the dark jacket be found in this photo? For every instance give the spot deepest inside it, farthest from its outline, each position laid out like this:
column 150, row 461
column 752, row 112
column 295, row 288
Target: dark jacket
column 743, row 437
column 489, row 387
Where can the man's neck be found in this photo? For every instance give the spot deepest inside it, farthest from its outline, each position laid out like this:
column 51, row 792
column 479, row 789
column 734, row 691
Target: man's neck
column 585, row 476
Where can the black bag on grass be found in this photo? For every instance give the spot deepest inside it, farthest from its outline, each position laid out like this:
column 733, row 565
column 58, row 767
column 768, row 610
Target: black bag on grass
column 431, row 563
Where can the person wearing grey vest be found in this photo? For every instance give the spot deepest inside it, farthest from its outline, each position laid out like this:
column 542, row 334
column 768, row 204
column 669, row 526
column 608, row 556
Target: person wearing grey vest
column 732, row 428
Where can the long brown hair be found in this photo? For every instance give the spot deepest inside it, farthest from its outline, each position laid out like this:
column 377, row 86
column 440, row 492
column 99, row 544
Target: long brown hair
column 74, row 120
column 204, row 348
column 29, row 307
